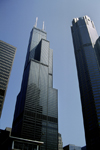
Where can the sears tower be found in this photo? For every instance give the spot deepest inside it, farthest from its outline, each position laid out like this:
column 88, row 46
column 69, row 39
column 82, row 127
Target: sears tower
column 87, row 54
column 36, row 110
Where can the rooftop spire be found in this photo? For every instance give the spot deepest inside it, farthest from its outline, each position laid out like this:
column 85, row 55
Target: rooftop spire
column 36, row 22
column 43, row 26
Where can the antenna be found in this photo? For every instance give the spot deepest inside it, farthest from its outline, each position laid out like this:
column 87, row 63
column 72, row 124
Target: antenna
column 43, row 26
column 36, row 22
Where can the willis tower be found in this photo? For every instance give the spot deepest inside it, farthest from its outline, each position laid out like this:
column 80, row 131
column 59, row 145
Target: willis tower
column 36, row 110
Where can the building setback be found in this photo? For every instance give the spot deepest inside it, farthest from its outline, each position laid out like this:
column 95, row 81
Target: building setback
column 7, row 54
column 36, row 110
column 87, row 54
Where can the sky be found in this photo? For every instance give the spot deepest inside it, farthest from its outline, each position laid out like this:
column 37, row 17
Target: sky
column 17, row 18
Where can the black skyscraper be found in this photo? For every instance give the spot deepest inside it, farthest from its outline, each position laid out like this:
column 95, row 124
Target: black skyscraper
column 36, row 111
column 87, row 53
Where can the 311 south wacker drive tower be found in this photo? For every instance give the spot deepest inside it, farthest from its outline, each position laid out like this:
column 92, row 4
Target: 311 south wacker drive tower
column 36, row 111
column 87, row 54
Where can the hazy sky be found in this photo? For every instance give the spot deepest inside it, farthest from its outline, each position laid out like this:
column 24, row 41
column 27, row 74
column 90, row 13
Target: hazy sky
column 17, row 18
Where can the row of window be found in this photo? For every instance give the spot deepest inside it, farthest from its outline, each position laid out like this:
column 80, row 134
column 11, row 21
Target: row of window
column 2, row 80
column 5, row 64
column 96, row 89
column 4, row 45
column 6, row 56
column 7, row 53
column 94, row 75
column 4, row 70
column 95, row 83
column 96, row 92
column 98, row 110
column 6, row 60
column 41, row 116
column 2, row 86
column 96, row 95
column 3, row 77
column 8, row 48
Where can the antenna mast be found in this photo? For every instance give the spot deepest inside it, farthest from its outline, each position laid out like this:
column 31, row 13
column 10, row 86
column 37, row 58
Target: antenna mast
column 36, row 22
column 43, row 26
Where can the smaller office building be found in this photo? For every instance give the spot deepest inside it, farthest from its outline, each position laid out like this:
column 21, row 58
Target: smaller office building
column 60, row 143
column 84, row 148
column 71, row 147
column 8, row 142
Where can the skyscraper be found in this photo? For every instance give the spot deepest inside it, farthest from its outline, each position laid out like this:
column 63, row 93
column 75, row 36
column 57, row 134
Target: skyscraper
column 7, row 54
column 36, row 110
column 87, row 53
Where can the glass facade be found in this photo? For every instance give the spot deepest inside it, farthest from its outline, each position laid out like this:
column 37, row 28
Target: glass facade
column 87, row 53
column 7, row 54
column 36, row 111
